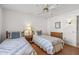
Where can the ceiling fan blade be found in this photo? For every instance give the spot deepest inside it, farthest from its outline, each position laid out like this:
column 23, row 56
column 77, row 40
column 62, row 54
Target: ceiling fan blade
column 53, row 6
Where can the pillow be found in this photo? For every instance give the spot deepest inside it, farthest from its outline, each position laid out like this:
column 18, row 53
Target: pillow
column 39, row 32
column 15, row 35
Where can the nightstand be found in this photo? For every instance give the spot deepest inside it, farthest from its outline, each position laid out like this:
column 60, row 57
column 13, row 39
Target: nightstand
column 29, row 38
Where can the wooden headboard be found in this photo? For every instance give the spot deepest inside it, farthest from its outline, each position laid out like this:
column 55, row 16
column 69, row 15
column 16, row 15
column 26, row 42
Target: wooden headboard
column 57, row 34
column 8, row 34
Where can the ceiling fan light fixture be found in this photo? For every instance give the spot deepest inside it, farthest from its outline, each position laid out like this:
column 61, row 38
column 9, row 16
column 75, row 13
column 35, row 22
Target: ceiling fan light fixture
column 45, row 9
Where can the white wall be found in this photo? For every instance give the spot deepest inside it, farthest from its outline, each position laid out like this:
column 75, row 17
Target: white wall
column 69, row 30
column 16, row 21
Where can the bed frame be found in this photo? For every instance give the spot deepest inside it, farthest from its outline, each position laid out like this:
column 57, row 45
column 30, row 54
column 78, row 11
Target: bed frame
column 57, row 34
column 7, row 34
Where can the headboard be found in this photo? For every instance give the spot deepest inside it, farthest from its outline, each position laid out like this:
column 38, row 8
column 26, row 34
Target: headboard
column 8, row 34
column 57, row 34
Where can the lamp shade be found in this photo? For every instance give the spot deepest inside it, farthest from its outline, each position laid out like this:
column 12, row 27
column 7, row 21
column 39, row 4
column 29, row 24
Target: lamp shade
column 28, row 31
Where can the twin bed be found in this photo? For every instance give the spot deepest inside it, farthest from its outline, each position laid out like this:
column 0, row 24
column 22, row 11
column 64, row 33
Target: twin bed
column 49, row 44
column 20, row 46
column 15, row 44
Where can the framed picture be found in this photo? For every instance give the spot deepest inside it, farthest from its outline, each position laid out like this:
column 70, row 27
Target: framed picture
column 57, row 25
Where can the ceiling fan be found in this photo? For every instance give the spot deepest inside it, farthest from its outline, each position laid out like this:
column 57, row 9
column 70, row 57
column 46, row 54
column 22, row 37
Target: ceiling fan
column 46, row 10
column 49, row 7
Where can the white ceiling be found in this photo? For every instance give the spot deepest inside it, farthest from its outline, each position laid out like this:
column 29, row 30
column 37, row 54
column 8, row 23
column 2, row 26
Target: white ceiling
column 37, row 8
column 26, row 8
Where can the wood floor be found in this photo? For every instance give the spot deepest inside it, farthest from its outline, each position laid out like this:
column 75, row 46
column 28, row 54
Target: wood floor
column 68, row 50
column 38, row 50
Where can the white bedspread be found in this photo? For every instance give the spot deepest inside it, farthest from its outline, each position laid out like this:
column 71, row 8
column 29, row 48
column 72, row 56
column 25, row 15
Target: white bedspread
column 15, row 46
column 43, row 43
column 53, row 40
column 46, row 42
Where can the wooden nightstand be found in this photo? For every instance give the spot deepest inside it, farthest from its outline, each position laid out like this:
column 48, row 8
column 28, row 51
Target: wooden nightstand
column 29, row 38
